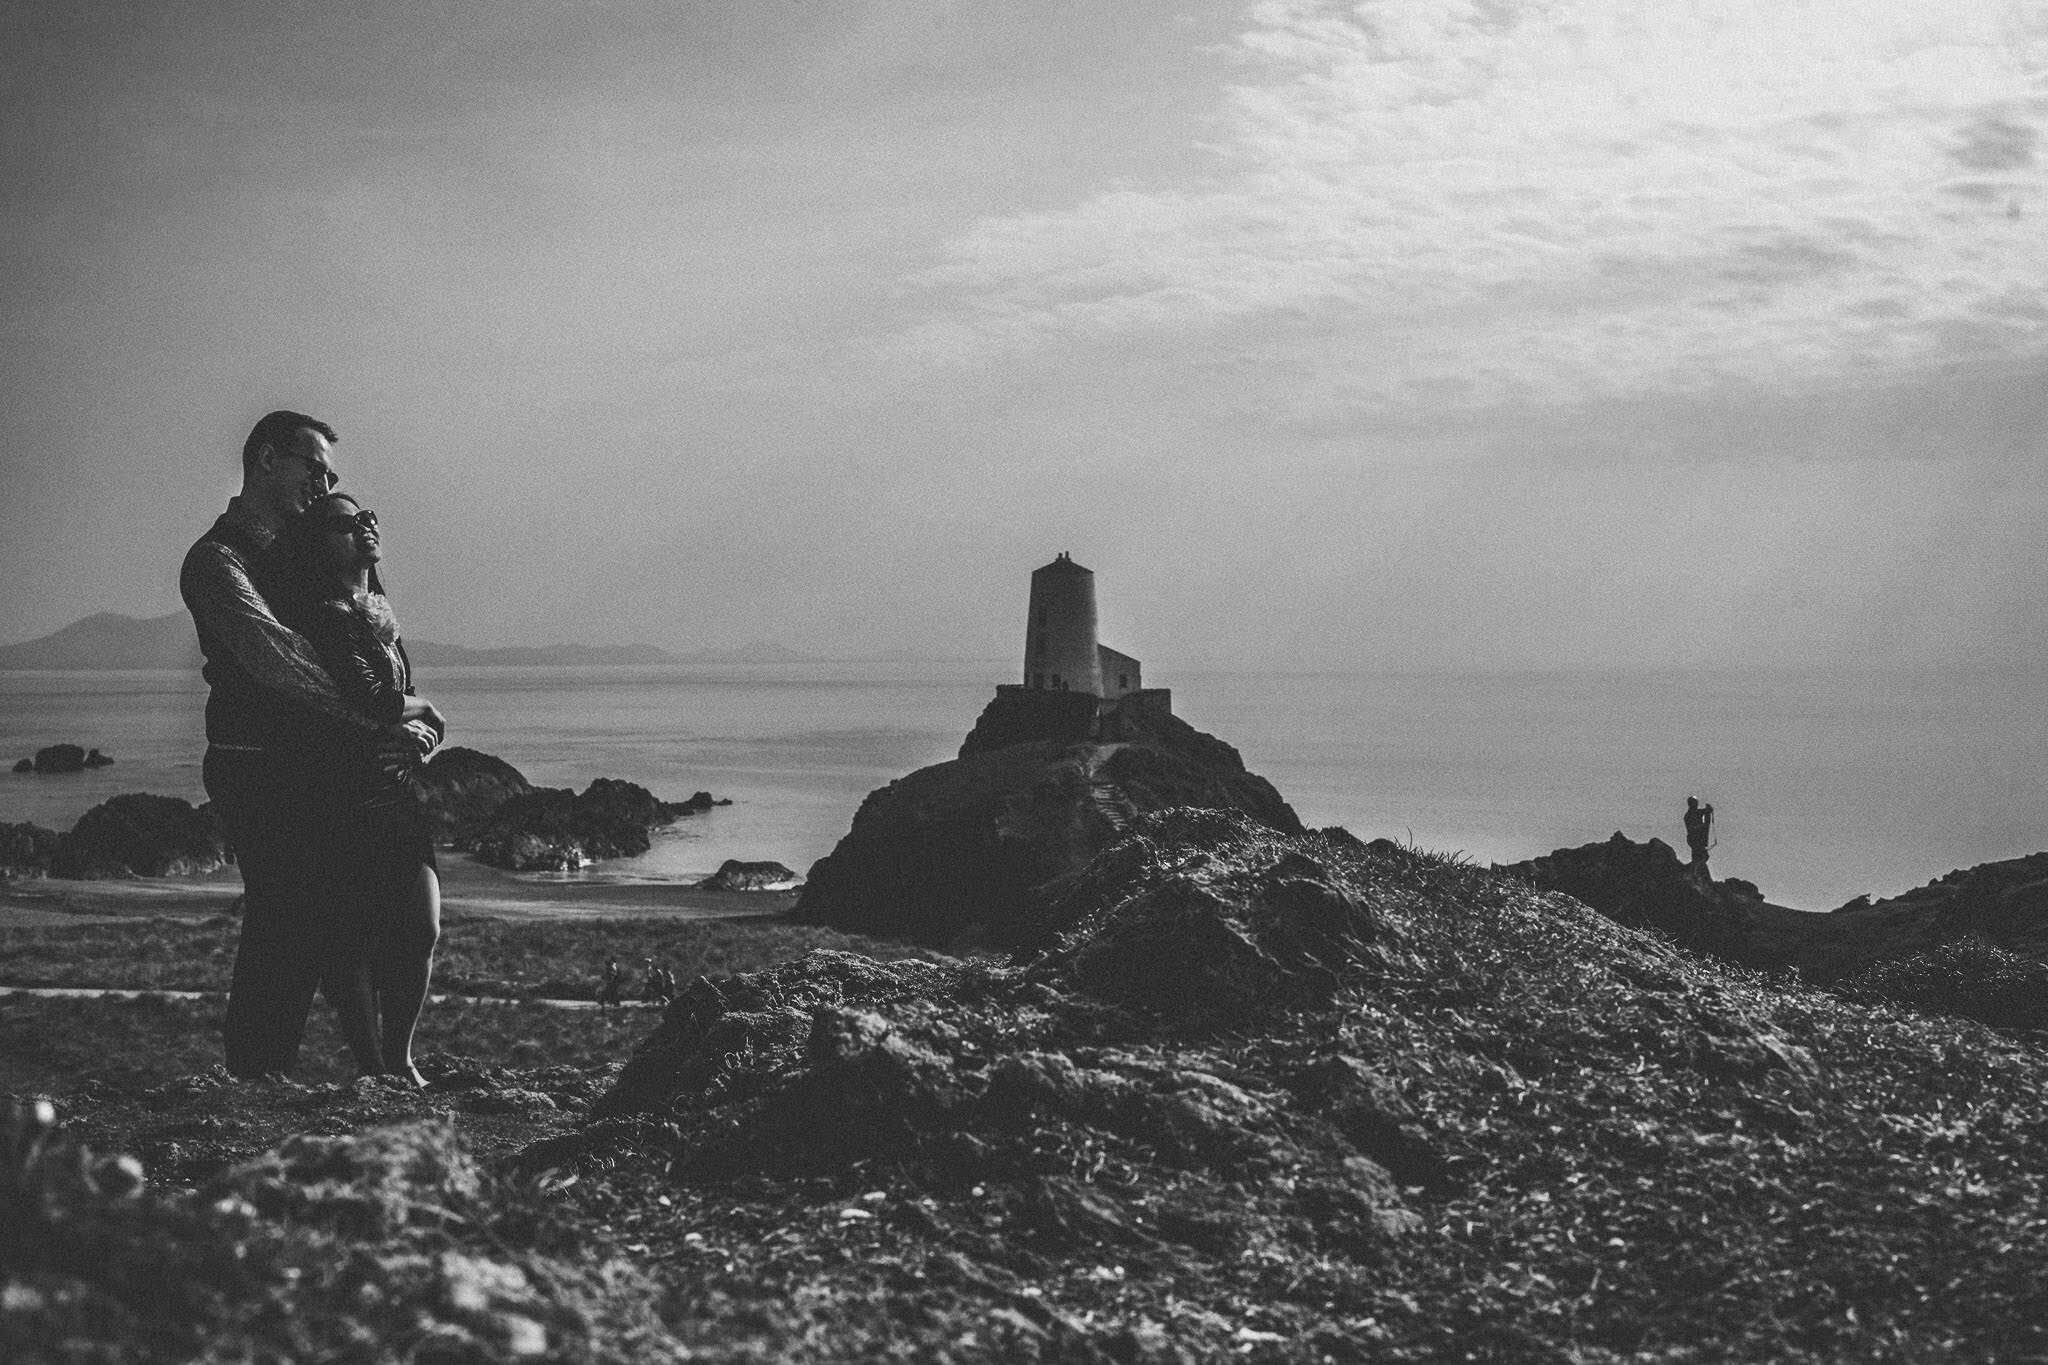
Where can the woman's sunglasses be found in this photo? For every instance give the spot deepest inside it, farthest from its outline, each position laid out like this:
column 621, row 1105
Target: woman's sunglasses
column 365, row 520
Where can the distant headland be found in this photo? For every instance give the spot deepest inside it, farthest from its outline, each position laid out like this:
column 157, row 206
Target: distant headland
column 110, row 640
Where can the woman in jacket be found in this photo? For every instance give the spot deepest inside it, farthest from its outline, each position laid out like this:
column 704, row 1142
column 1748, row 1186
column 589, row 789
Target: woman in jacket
column 383, row 917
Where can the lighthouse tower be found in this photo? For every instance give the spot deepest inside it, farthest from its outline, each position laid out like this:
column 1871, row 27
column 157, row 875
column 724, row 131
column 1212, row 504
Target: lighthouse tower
column 1060, row 652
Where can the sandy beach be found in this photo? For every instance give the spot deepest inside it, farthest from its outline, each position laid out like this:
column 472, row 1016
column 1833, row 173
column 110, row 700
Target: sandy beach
column 467, row 888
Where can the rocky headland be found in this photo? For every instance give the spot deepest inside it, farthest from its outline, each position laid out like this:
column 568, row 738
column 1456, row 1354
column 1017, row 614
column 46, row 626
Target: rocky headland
column 968, row 850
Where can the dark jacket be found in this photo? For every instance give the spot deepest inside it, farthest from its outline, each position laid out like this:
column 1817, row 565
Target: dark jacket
column 266, row 686
column 375, row 679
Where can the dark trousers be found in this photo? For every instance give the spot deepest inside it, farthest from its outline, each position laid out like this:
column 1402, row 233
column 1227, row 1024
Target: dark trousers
column 274, row 826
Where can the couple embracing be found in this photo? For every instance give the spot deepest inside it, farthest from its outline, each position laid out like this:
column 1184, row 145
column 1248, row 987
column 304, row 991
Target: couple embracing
column 314, row 737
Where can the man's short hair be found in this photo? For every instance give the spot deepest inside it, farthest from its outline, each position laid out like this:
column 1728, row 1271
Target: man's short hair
column 276, row 429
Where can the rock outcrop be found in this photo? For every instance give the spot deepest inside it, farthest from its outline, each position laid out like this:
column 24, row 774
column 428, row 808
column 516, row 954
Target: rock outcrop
column 1645, row 886
column 966, row 850
column 63, row 758
column 2004, row 903
column 734, row 875
column 463, row 788
column 26, row 851
column 554, row 829
column 1009, row 1074
column 485, row 806
column 140, row 835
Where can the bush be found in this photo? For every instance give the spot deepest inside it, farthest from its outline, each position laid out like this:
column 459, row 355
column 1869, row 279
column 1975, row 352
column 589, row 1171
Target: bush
column 1969, row 978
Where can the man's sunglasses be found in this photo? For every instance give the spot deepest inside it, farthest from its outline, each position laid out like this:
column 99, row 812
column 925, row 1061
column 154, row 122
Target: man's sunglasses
column 328, row 478
column 365, row 520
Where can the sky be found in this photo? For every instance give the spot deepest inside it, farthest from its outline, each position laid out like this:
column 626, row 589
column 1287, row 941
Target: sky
column 1421, row 334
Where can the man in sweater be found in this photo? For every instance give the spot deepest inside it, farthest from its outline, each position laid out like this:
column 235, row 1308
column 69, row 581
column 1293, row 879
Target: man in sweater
column 268, row 699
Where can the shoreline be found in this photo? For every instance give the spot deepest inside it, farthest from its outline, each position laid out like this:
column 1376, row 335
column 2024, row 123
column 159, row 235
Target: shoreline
column 468, row 888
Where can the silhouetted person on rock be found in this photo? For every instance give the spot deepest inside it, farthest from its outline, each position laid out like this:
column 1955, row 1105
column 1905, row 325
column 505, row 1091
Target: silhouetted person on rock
column 1699, row 830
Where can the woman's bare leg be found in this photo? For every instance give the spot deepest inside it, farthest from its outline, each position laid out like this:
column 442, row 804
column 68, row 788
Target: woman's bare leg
column 404, row 966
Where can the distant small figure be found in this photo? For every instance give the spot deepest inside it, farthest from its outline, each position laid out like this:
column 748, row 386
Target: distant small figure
column 658, row 984
column 611, row 992
column 1699, row 829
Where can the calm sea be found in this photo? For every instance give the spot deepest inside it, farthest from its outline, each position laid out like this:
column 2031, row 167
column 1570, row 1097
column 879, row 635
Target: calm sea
column 1827, row 784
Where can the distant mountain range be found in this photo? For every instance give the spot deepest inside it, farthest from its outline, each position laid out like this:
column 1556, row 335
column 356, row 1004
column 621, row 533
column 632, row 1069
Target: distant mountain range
column 111, row 640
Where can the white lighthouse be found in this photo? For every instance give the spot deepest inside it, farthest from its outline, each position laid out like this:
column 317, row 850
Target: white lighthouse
column 1075, row 688
column 1059, row 639
column 1061, row 653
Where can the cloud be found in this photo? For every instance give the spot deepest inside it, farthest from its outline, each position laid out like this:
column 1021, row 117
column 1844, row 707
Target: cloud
column 1424, row 205
column 1995, row 144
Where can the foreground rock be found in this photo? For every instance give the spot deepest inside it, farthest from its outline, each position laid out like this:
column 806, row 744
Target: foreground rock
column 63, row 758
column 967, row 850
column 328, row 1248
column 553, row 829
column 141, row 835
column 735, row 875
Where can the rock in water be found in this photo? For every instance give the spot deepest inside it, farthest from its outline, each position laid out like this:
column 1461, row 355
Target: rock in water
column 26, row 851
column 734, row 875
column 56, row 758
column 140, row 835
column 462, row 789
column 555, row 829
column 961, row 850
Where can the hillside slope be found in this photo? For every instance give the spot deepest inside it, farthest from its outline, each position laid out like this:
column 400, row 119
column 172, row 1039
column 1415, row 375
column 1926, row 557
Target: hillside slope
column 1266, row 1096
column 110, row 640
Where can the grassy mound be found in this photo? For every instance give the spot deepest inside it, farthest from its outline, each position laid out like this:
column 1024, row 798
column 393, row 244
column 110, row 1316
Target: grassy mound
column 1967, row 978
column 1261, row 1096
